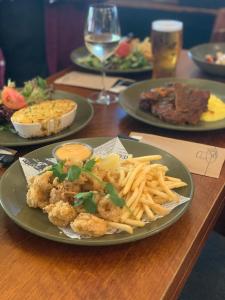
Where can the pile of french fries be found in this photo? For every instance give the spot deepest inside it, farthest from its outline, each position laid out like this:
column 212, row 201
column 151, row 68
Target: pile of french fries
column 145, row 187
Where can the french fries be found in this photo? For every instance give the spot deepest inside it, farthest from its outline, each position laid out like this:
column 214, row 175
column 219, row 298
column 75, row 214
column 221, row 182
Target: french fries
column 145, row 187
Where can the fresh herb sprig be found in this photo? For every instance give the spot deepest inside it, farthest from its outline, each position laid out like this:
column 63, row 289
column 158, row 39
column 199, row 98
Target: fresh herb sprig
column 73, row 172
column 110, row 189
column 87, row 198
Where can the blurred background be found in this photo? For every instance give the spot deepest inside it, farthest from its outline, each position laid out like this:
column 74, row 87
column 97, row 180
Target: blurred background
column 37, row 36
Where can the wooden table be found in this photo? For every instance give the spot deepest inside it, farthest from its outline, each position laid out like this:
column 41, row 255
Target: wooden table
column 154, row 268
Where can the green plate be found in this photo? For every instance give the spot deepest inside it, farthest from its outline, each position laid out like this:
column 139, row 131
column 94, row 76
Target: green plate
column 13, row 190
column 199, row 52
column 83, row 116
column 83, row 52
column 129, row 100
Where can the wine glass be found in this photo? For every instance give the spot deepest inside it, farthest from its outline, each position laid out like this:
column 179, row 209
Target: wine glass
column 102, row 36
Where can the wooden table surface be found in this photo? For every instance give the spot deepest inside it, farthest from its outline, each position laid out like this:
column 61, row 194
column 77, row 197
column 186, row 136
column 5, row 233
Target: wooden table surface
column 154, row 268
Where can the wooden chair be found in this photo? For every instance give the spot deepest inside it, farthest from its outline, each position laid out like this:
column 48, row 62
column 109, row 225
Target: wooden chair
column 218, row 32
column 64, row 22
column 64, row 27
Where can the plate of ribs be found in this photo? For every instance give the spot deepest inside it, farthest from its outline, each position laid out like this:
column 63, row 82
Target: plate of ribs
column 173, row 103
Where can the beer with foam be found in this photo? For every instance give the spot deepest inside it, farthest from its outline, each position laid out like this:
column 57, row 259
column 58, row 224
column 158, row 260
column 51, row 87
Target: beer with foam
column 166, row 39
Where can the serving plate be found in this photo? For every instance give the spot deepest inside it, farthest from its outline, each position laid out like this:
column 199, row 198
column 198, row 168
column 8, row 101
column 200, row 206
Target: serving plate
column 83, row 116
column 199, row 52
column 13, row 188
column 82, row 52
column 129, row 100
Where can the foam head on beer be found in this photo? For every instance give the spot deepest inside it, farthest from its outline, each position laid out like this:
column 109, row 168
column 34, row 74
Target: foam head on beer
column 167, row 25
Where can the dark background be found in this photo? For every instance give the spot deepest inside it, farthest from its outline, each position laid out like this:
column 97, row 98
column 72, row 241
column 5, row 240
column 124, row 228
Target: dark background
column 22, row 38
column 22, row 30
column 197, row 27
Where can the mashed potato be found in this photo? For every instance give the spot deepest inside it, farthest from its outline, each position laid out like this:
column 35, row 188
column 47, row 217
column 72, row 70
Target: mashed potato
column 216, row 110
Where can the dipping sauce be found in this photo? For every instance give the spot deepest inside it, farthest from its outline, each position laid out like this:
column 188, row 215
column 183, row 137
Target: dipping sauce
column 216, row 110
column 73, row 153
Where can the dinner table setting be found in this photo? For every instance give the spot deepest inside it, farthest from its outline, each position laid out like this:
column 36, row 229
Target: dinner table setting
column 137, row 126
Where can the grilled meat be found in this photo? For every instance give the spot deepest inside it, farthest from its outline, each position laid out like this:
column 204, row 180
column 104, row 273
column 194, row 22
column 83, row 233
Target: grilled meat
column 178, row 103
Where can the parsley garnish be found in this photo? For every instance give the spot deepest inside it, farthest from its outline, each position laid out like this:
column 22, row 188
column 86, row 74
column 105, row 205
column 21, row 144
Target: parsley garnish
column 110, row 189
column 86, row 198
column 88, row 166
column 57, row 170
column 73, row 173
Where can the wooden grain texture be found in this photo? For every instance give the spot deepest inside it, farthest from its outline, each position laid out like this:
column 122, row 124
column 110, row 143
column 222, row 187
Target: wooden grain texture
column 154, row 268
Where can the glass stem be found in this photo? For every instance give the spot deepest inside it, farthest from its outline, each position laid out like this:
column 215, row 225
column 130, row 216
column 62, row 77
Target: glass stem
column 103, row 92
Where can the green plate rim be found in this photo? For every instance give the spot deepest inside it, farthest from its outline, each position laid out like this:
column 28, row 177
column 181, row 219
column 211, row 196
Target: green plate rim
column 64, row 133
column 193, row 55
column 100, row 241
column 198, row 59
column 74, row 55
column 159, row 123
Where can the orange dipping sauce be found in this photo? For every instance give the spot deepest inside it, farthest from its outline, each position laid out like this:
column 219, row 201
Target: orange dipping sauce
column 73, row 153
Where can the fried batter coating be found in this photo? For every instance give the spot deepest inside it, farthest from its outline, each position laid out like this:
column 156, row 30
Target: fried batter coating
column 91, row 184
column 87, row 224
column 60, row 213
column 39, row 190
column 107, row 210
column 64, row 191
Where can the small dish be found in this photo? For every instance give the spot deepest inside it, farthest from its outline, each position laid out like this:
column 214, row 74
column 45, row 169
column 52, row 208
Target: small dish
column 198, row 54
column 72, row 152
column 44, row 127
column 84, row 114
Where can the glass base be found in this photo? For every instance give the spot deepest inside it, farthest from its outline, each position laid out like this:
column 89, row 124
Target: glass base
column 163, row 73
column 103, row 98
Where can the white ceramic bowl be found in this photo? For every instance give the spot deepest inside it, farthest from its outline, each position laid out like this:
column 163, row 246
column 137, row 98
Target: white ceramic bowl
column 52, row 126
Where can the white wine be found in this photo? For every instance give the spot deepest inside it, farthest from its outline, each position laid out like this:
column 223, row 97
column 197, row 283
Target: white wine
column 102, row 45
column 102, row 36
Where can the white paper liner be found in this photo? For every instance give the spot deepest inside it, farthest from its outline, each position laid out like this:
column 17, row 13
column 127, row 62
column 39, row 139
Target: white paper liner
column 32, row 167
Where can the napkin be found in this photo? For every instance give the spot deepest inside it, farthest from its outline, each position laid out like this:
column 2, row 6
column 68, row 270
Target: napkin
column 199, row 158
column 86, row 80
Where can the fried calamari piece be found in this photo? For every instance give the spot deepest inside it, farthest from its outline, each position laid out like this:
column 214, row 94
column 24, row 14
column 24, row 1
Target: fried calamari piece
column 64, row 191
column 39, row 190
column 109, row 211
column 87, row 224
column 60, row 213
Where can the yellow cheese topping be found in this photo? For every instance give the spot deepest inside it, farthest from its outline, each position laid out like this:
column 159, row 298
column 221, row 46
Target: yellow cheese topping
column 73, row 153
column 44, row 111
column 216, row 110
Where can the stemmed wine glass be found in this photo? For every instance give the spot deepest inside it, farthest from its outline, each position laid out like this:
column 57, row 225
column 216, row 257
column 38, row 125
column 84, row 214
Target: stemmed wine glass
column 101, row 36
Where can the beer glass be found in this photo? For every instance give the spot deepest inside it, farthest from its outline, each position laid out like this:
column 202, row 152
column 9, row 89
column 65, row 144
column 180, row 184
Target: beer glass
column 166, row 37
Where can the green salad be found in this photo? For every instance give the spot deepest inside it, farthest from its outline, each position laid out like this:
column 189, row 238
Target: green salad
column 134, row 60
